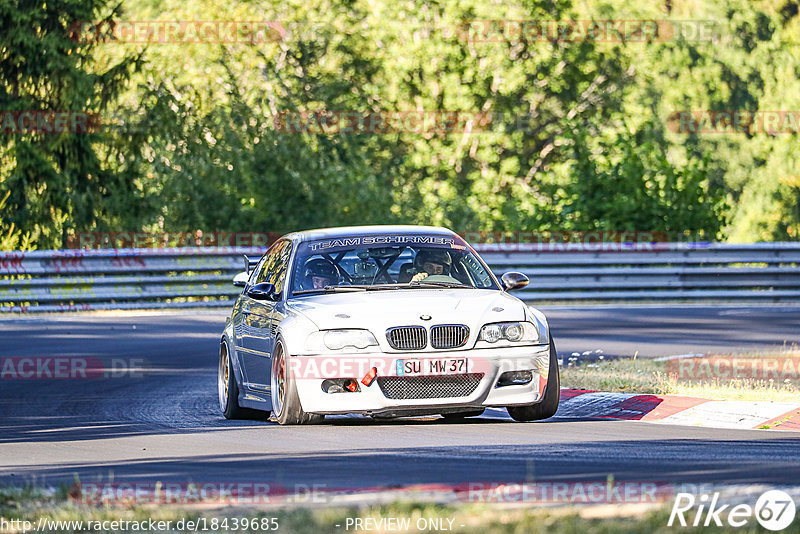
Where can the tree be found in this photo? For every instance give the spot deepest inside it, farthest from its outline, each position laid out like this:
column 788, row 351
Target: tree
column 625, row 182
column 10, row 236
column 55, row 179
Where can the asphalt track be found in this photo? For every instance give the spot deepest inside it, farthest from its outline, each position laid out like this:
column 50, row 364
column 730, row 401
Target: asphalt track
column 164, row 426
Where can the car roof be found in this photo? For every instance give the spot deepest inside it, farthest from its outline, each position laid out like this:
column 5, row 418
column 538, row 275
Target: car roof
column 349, row 231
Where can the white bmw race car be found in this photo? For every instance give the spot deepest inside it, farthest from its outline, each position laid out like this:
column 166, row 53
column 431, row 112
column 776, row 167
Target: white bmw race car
column 387, row 321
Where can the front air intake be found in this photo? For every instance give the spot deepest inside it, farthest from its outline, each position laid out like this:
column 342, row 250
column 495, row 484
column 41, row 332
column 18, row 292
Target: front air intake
column 429, row 387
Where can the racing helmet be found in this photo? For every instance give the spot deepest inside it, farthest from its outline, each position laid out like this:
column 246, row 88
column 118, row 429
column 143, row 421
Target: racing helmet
column 442, row 257
column 319, row 268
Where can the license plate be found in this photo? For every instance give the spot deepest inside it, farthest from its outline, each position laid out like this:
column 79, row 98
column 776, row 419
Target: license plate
column 433, row 366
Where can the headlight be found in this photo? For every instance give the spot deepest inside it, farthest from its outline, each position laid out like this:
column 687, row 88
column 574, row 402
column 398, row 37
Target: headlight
column 491, row 333
column 514, row 332
column 339, row 339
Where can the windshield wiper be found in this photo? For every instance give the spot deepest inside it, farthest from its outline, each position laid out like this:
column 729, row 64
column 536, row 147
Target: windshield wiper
column 379, row 287
column 330, row 289
column 423, row 283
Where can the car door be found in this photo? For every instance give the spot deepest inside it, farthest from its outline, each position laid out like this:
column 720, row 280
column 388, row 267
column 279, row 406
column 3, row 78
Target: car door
column 257, row 335
column 279, row 308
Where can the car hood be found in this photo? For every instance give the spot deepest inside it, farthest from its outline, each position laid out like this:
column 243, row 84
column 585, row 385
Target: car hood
column 379, row 310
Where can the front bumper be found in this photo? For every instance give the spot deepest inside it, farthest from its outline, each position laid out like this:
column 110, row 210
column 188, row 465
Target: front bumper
column 491, row 362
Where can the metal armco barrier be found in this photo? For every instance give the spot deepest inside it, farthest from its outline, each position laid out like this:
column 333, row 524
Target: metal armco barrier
column 74, row 280
column 68, row 280
column 767, row 272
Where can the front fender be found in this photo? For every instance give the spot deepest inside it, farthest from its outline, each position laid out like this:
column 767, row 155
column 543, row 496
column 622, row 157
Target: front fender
column 538, row 318
column 293, row 331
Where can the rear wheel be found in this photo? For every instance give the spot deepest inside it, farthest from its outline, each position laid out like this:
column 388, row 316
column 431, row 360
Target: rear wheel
column 548, row 406
column 285, row 401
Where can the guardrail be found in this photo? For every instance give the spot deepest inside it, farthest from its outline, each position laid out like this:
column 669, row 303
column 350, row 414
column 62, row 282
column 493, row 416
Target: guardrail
column 653, row 271
column 72, row 280
column 68, row 280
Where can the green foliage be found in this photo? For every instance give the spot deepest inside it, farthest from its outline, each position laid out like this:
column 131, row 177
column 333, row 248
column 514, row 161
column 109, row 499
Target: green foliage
column 626, row 183
column 10, row 237
column 54, row 178
column 580, row 138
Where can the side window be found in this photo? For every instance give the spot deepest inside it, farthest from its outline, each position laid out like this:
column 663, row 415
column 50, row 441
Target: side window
column 281, row 267
column 257, row 270
column 271, row 261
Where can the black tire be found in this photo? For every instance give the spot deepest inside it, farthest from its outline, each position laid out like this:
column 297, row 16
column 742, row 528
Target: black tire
column 548, row 406
column 455, row 416
column 228, row 390
column 285, row 402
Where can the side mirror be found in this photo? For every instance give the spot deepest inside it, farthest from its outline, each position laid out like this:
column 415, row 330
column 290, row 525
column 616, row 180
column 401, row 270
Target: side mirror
column 262, row 291
column 240, row 280
column 514, row 280
column 249, row 263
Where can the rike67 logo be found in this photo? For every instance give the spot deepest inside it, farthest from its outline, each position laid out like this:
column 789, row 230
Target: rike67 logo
column 774, row 510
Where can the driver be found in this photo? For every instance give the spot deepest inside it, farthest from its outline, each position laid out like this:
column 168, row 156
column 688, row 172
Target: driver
column 318, row 273
column 430, row 263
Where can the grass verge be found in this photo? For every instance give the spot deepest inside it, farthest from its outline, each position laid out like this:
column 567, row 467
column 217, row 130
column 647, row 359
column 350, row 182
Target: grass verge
column 709, row 377
column 420, row 517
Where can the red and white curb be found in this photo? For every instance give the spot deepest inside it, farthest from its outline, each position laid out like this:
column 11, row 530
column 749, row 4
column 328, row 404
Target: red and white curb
column 671, row 409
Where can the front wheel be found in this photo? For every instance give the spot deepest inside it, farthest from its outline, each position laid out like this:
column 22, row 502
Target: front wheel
column 285, row 401
column 548, row 406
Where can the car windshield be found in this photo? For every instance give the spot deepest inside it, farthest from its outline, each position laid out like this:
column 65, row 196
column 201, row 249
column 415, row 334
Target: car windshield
column 385, row 262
